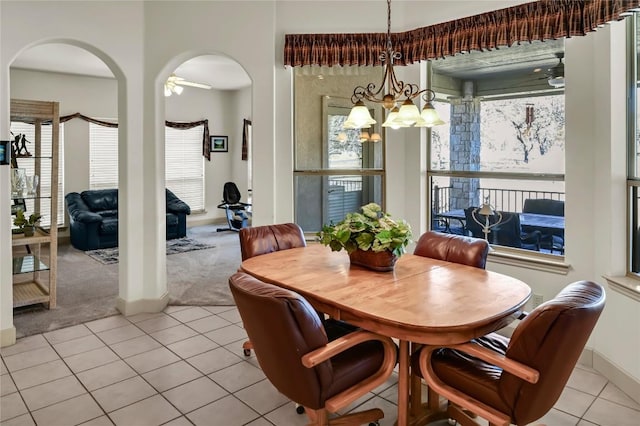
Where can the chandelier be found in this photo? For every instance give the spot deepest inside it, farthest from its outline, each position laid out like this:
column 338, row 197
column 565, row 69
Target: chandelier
column 404, row 115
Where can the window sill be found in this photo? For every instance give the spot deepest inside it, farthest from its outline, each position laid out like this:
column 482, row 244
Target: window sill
column 625, row 285
column 539, row 261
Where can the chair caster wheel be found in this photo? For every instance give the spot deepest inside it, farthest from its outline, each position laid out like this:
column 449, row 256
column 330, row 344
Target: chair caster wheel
column 247, row 352
column 452, row 422
column 299, row 409
column 374, row 424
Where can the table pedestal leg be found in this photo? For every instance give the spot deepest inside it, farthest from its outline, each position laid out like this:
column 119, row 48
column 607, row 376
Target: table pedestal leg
column 403, row 383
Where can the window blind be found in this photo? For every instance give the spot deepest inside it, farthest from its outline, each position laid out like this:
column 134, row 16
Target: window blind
column 184, row 166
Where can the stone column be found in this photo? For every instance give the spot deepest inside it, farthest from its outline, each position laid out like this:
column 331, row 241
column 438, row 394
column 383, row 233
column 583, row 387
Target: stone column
column 464, row 148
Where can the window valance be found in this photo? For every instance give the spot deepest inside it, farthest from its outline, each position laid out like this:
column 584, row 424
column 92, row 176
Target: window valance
column 540, row 20
column 206, row 143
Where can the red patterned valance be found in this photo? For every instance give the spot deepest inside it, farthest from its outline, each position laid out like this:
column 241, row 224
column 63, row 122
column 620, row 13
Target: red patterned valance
column 540, row 20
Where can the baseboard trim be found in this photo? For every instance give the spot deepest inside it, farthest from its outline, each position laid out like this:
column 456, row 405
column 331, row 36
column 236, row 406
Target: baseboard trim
column 627, row 384
column 7, row 337
column 128, row 308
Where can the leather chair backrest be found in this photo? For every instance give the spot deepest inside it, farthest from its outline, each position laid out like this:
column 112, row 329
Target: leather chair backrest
column 265, row 239
column 543, row 206
column 100, row 199
column 550, row 339
column 231, row 193
column 509, row 231
column 292, row 330
column 453, row 248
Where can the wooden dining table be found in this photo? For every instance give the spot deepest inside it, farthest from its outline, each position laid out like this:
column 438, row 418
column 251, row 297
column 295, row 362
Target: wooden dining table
column 423, row 300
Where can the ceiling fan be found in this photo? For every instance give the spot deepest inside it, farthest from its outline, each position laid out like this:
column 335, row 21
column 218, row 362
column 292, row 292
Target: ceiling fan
column 174, row 85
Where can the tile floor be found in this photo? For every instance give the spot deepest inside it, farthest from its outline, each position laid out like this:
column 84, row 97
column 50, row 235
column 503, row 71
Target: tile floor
column 185, row 366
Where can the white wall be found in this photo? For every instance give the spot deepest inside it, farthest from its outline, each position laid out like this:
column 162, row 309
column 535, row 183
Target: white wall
column 145, row 41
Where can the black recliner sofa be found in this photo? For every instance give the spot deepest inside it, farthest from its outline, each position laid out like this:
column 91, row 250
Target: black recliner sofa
column 93, row 218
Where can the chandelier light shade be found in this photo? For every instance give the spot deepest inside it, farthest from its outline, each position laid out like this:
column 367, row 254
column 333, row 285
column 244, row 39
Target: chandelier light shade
column 398, row 92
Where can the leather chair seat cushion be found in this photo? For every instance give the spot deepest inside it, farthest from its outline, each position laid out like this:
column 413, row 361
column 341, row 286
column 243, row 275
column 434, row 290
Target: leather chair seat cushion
column 355, row 365
column 109, row 226
column 471, row 375
column 172, row 219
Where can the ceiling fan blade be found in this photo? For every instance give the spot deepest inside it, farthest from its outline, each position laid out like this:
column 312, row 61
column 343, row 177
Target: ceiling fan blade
column 192, row 84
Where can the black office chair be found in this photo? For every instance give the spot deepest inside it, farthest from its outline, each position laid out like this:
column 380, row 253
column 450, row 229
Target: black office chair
column 236, row 211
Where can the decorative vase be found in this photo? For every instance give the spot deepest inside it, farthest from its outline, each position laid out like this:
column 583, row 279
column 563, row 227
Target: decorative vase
column 382, row 261
column 29, row 231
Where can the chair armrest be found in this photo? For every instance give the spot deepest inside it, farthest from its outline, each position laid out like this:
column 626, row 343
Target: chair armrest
column 79, row 211
column 463, row 400
column 178, row 206
column 341, row 344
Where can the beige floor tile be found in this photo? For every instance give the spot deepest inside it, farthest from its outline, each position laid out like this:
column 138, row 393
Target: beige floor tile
column 106, row 375
column 557, row 418
column 40, row 374
column 286, row 415
column 225, row 335
column 11, row 406
column 191, row 314
column 69, row 333
column 70, row 412
column 586, row 423
column 227, row 411
column 30, row 358
column 25, row 344
column 232, row 315
column 574, row 402
column 158, row 323
column 144, row 316
column 206, row 324
column 151, row 360
column 175, row 308
column 260, row 422
column 99, row 421
column 606, row 413
column 6, row 385
column 586, row 381
column 614, row 394
column 173, row 334
column 123, row 393
column 219, row 309
column 172, row 375
column 79, row 345
column 49, row 393
column 3, row 368
column 262, row 397
column 237, row 376
column 91, row 359
column 192, row 346
column 180, row 421
column 214, row 360
column 151, row 411
column 23, row 420
column 107, row 323
column 120, row 334
column 194, row 394
column 390, row 410
column 135, row 346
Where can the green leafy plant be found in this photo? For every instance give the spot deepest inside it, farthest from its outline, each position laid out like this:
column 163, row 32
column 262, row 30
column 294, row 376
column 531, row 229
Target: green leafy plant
column 21, row 221
column 370, row 230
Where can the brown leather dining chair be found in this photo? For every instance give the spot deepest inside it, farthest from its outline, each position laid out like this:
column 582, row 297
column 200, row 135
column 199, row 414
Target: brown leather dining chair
column 517, row 380
column 452, row 248
column 258, row 240
column 297, row 357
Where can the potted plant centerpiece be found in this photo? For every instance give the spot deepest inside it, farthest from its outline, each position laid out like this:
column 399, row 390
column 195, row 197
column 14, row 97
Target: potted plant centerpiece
column 372, row 238
column 26, row 225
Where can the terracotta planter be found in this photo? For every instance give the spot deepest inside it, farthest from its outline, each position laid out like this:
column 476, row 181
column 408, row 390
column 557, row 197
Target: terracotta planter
column 378, row 261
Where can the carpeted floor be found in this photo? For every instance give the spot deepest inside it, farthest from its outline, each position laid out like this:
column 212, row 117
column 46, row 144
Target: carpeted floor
column 88, row 290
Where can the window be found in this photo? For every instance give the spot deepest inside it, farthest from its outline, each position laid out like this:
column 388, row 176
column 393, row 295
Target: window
column 184, row 167
column 45, row 172
column 184, row 174
column 337, row 170
column 103, row 157
column 633, row 146
column 503, row 147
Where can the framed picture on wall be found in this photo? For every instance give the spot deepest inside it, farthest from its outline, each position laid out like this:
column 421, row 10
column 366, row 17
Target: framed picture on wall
column 219, row 143
column 4, row 152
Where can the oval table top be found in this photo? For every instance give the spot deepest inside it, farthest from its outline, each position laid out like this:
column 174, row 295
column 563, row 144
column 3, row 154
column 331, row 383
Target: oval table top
column 423, row 300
